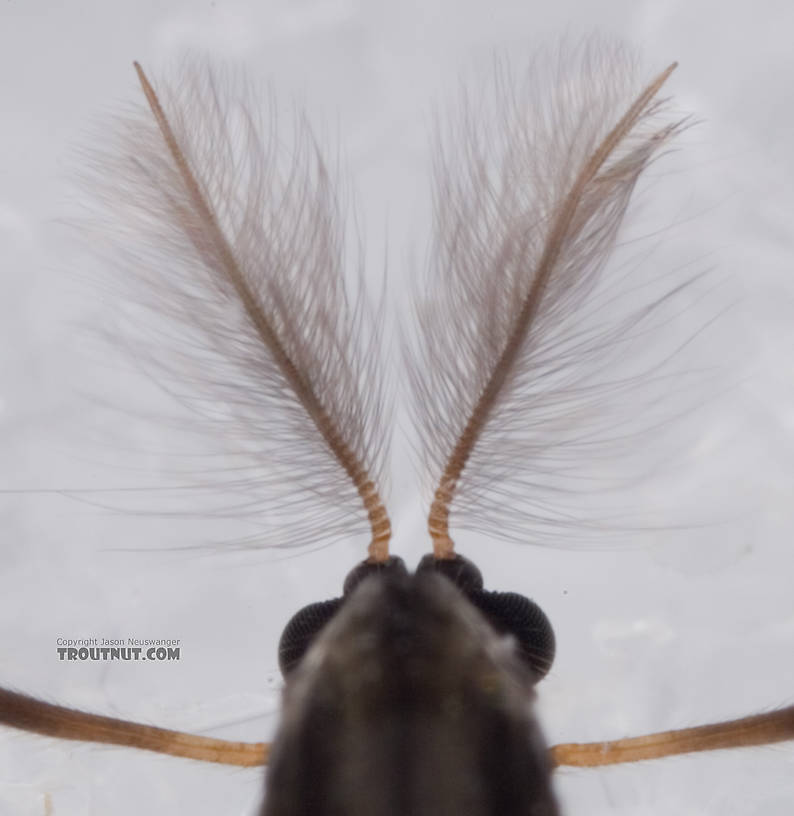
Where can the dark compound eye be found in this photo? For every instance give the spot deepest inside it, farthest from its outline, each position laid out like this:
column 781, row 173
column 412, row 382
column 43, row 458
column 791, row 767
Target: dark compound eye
column 510, row 613
column 301, row 630
column 306, row 624
column 507, row 612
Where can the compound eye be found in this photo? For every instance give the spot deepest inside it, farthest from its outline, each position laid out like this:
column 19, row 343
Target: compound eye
column 391, row 566
column 510, row 613
column 300, row 632
column 306, row 624
column 462, row 572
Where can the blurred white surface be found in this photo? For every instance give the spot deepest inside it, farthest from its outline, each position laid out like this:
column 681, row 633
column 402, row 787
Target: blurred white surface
column 694, row 623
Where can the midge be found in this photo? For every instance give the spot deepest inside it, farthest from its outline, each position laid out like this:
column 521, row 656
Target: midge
column 412, row 693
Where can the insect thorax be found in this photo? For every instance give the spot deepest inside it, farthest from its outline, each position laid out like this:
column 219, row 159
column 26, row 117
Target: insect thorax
column 409, row 702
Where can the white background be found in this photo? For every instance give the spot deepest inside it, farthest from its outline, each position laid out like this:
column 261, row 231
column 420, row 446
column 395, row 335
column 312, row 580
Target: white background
column 693, row 623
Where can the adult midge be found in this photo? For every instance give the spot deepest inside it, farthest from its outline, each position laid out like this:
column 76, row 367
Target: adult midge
column 411, row 692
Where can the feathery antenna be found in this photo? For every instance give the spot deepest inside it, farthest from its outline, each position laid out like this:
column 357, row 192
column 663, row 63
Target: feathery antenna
column 258, row 272
column 499, row 240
